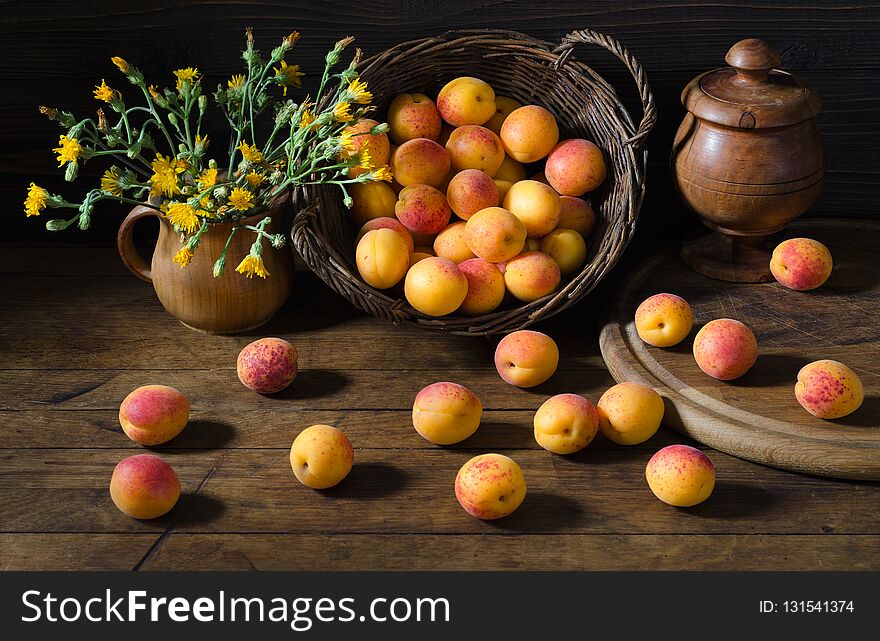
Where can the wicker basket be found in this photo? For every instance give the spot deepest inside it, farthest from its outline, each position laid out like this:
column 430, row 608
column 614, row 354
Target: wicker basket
column 530, row 71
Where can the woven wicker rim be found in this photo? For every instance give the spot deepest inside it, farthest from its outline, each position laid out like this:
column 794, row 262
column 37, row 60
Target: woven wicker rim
column 531, row 71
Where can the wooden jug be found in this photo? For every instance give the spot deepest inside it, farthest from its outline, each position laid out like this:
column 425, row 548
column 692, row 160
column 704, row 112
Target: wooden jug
column 226, row 305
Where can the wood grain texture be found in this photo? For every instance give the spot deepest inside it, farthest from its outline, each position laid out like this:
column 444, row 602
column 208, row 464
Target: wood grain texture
column 598, row 491
column 517, row 552
column 832, row 45
column 757, row 416
column 78, row 334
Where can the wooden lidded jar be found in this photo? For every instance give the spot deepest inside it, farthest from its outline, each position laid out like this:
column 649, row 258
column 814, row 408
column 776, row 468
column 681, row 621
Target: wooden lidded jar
column 747, row 158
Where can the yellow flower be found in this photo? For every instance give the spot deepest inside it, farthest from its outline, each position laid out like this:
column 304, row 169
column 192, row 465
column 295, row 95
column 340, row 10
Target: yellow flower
column 250, row 152
column 342, row 112
column 35, row 201
column 164, row 179
column 365, row 161
column 383, row 173
column 288, row 76
column 183, row 257
column 188, row 75
column 153, row 91
column 252, row 265
column 255, row 179
column 346, row 140
column 357, row 89
column 306, row 119
column 201, row 142
column 241, row 199
column 182, row 216
column 68, row 150
column 208, row 178
column 103, row 92
column 110, row 181
column 119, row 62
column 236, row 82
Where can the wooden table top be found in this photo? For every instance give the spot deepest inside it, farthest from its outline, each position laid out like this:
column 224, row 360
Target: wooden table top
column 79, row 333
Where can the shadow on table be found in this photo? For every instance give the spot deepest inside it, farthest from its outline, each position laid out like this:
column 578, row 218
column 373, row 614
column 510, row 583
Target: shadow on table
column 771, row 369
column 314, row 383
column 868, row 415
column 205, row 435
column 734, row 501
column 542, row 512
column 370, row 481
column 191, row 509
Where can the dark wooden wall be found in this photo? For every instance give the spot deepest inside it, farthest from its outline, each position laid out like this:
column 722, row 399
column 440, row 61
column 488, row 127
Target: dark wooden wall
column 55, row 52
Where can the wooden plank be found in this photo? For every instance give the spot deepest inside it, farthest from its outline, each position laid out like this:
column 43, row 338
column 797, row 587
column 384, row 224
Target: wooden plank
column 68, row 491
column 516, row 552
column 594, row 492
column 254, row 429
column 320, row 389
column 328, row 332
column 40, row 552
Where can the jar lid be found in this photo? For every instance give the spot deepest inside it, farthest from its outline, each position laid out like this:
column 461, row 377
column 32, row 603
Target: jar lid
column 750, row 93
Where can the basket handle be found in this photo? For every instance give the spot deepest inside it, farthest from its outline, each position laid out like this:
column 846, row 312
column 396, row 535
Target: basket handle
column 588, row 36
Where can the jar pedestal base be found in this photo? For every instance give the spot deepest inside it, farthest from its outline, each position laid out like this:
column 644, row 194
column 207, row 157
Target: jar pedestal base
column 735, row 259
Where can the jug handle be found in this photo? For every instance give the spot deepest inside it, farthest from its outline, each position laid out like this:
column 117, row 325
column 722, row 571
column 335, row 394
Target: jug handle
column 125, row 243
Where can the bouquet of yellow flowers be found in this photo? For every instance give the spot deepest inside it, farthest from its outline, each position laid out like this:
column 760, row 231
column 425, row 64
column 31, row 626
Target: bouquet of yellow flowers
column 164, row 159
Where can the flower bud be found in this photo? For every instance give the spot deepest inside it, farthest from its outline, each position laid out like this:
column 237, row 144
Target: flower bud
column 71, row 172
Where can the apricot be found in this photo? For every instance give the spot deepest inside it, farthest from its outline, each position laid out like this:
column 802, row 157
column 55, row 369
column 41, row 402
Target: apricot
column 420, row 161
column 566, row 423
column 413, row 115
column 466, row 101
column 495, row 234
column 503, row 186
column 267, row 365
column 387, row 223
column 503, row 107
column 490, row 486
column 725, row 349
column 630, row 413
column 485, row 287
column 510, row 170
column 801, row 263
column 680, row 475
column 577, row 214
column 526, row 358
column 153, row 414
column 377, row 145
column 567, row 248
column 451, row 243
column 321, row 456
column 535, row 204
column 371, row 199
column 529, row 133
column 446, row 413
column 382, row 258
column 470, row 191
column 144, row 486
column 475, row 147
column 532, row 275
column 575, row 167
column 664, row 320
column 423, row 209
column 532, row 245
column 435, row 286
column 416, row 256
column 829, row 389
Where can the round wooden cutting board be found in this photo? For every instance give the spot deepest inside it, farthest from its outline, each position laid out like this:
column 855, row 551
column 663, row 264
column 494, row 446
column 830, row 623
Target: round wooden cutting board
column 757, row 416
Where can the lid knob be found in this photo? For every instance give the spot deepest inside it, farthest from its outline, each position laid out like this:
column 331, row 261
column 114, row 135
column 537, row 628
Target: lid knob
column 753, row 60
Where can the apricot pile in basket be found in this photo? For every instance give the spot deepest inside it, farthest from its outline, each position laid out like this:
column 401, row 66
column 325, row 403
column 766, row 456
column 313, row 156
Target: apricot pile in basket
column 461, row 226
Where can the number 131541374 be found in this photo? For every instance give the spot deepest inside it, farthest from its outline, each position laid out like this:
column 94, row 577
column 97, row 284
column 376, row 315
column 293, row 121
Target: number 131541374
column 841, row 606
